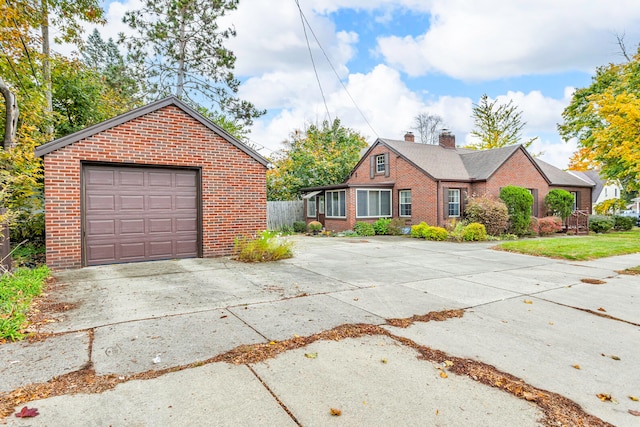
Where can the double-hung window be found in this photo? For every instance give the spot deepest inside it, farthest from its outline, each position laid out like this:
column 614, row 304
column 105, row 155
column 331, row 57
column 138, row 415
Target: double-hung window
column 575, row 200
column 454, row 202
column 335, row 204
column 380, row 164
column 373, row 203
column 405, row 202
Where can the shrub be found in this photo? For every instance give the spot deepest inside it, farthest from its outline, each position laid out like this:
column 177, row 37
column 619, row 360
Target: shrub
column 315, row 226
column 286, row 229
column 549, row 225
column 491, row 212
column 364, row 229
column 435, row 233
column 381, row 226
column 518, row 201
column 559, row 203
column 457, row 231
column 600, row 223
column 299, row 226
column 418, row 230
column 474, row 232
column 266, row 246
column 395, row 227
column 27, row 226
column 623, row 223
column 534, row 226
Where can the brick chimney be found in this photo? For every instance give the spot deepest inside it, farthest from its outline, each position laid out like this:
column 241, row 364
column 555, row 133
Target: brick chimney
column 409, row 137
column 446, row 139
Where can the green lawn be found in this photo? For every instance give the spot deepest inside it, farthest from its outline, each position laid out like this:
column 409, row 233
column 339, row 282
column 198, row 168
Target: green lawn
column 579, row 248
column 16, row 292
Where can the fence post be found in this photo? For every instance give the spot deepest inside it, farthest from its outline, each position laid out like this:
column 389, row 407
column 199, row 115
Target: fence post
column 5, row 246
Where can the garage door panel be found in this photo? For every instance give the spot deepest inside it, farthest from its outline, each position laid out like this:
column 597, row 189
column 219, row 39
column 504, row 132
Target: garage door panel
column 131, row 202
column 138, row 213
column 160, row 202
column 100, row 177
column 186, row 202
column 160, row 225
column 186, row 224
column 101, row 227
column 131, row 226
column 100, row 202
column 131, row 178
column 160, row 179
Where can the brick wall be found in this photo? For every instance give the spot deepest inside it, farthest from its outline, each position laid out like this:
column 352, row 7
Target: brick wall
column 233, row 184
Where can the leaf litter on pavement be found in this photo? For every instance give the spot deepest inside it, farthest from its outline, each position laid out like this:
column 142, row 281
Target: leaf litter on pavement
column 557, row 409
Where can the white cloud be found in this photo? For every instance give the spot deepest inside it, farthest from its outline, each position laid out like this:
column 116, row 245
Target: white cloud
column 491, row 39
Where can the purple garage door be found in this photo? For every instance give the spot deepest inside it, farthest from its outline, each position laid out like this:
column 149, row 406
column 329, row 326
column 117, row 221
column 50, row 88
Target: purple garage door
column 139, row 214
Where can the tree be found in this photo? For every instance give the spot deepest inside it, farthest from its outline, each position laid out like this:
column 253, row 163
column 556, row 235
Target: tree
column 519, row 201
column 320, row 155
column 181, row 48
column 497, row 125
column 559, row 203
column 11, row 115
column 604, row 119
column 105, row 58
column 427, row 125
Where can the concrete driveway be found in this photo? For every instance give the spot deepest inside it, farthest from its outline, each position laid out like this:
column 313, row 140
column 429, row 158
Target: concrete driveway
column 533, row 318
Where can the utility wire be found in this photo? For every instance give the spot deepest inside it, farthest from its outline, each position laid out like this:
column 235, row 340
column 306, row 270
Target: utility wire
column 315, row 70
column 333, row 68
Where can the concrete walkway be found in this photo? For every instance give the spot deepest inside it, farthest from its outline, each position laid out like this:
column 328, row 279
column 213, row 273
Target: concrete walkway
column 530, row 317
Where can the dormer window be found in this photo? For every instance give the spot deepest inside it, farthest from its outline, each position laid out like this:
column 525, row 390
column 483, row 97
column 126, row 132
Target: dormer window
column 380, row 163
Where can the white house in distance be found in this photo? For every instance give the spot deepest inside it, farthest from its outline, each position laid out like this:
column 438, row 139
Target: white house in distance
column 602, row 190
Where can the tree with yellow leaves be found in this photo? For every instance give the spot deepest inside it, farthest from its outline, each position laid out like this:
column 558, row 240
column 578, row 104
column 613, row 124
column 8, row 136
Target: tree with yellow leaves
column 605, row 118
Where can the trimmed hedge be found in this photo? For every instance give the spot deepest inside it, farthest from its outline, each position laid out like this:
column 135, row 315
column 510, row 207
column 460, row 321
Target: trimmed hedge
column 600, row 223
column 491, row 212
column 364, row 229
column 474, row 232
column 549, row 225
column 623, row 223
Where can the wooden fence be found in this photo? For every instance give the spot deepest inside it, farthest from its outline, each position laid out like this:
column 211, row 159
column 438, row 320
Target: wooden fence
column 5, row 247
column 284, row 213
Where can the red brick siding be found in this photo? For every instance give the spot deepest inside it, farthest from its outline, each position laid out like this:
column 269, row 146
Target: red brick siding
column 518, row 170
column 233, row 184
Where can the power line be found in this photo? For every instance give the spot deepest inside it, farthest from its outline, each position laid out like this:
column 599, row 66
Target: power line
column 355, row 104
column 315, row 70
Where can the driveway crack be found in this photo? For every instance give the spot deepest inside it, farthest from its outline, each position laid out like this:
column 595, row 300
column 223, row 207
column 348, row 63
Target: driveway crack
column 277, row 399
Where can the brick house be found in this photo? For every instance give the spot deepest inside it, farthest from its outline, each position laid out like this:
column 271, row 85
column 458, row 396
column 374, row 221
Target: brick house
column 158, row 182
column 431, row 183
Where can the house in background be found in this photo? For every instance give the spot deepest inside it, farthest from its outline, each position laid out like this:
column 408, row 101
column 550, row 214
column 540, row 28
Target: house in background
column 602, row 189
column 159, row 182
column 432, row 183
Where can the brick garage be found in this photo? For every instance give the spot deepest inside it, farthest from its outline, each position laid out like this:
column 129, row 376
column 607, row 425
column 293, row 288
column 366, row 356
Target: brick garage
column 159, row 182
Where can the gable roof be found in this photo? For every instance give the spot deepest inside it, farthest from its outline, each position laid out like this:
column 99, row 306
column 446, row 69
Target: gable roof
column 593, row 177
column 561, row 178
column 462, row 164
column 56, row 144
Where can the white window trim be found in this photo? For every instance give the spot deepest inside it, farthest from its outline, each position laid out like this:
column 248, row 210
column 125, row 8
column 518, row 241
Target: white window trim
column 327, row 199
column 311, row 202
column 375, row 189
column 380, row 163
column 400, row 203
column 321, row 205
column 450, row 203
column 575, row 200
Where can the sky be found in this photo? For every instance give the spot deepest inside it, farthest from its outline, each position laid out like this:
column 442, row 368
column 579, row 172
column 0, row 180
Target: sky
column 393, row 59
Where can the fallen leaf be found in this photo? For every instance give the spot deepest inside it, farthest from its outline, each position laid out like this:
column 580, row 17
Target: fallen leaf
column 576, row 366
column 311, row 355
column 335, row 412
column 27, row 412
column 635, row 399
column 272, row 343
column 443, row 374
column 222, row 317
column 529, row 396
column 528, row 301
column 604, row 397
column 448, row 363
column 602, row 309
column 634, row 413
column 437, row 412
column 384, row 360
column 614, row 357
column 355, row 299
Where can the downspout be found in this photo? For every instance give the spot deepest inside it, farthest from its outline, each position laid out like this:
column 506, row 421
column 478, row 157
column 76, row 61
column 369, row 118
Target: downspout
column 438, row 199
